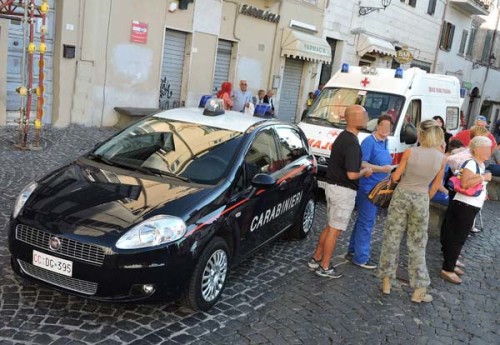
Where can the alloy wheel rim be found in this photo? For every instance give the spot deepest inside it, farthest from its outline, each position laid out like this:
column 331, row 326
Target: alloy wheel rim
column 308, row 219
column 214, row 275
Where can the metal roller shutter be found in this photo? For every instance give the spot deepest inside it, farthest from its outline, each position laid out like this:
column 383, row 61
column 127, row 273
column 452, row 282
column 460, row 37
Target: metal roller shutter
column 14, row 67
column 222, row 63
column 172, row 68
column 292, row 78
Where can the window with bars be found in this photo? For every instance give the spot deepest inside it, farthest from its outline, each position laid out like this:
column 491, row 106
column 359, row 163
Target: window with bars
column 447, row 36
column 463, row 42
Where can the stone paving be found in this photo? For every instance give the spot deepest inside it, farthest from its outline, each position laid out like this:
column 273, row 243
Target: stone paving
column 271, row 298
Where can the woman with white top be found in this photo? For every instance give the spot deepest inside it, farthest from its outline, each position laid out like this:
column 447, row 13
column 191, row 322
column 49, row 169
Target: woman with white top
column 463, row 209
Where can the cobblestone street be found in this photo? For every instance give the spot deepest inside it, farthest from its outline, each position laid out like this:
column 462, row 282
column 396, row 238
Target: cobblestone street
column 271, row 298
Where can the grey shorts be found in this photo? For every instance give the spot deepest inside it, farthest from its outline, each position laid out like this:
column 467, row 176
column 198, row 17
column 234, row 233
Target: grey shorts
column 340, row 203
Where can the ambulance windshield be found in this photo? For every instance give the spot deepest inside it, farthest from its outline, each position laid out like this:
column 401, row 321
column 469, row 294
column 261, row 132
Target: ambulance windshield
column 330, row 106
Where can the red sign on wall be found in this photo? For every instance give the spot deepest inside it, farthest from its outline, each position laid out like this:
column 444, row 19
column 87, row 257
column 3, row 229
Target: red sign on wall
column 139, row 33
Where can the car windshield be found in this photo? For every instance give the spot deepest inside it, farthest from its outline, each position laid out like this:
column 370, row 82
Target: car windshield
column 329, row 108
column 183, row 150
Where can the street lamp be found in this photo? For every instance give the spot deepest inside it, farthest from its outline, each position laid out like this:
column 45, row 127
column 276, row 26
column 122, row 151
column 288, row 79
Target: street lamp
column 364, row 10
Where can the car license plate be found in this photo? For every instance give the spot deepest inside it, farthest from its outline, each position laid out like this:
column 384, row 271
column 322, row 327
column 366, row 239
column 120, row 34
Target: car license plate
column 53, row 263
column 322, row 184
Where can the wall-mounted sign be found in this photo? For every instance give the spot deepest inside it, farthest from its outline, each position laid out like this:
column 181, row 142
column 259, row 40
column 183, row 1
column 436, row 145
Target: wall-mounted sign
column 139, row 32
column 404, row 56
column 467, row 85
column 255, row 12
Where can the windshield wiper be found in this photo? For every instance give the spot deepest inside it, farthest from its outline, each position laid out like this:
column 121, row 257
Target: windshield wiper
column 320, row 119
column 162, row 173
column 102, row 159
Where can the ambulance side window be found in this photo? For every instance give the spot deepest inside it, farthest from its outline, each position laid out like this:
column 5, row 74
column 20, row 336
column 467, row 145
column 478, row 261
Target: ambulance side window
column 262, row 156
column 414, row 112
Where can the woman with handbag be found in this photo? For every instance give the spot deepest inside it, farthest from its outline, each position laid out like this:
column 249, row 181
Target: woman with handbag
column 468, row 200
column 409, row 210
column 376, row 156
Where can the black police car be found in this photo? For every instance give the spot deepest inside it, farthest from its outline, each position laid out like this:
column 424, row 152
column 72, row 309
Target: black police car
column 165, row 207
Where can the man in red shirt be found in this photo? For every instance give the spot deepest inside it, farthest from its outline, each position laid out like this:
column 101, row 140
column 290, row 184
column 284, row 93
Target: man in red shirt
column 464, row 136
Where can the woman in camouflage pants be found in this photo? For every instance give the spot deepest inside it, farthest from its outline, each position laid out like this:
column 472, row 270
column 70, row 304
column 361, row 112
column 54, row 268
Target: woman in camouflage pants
column 409, row 210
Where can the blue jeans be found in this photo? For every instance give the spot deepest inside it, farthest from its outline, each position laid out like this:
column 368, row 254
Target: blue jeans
column 361, row 236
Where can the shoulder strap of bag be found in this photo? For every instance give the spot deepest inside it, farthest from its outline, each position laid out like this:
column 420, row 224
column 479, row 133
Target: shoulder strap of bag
column 462, row 167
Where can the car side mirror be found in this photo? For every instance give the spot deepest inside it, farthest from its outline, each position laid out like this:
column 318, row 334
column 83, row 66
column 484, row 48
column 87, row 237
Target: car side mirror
column 263, row 181
column 408, row 134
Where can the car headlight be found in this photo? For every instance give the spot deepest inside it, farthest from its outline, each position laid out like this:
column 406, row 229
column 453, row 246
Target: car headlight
column 23, row 197
column 153, row 232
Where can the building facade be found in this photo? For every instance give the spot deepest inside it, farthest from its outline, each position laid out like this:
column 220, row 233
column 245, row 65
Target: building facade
column 167, row 54
column 470, row 45
column 360, row 37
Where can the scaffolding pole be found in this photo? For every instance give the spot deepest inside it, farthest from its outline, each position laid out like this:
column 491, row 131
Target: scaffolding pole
column 40, row 91
column 29, row 11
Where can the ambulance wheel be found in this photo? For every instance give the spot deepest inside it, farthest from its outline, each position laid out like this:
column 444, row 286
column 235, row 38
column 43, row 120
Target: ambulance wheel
column 304, row 222
column 209, row 276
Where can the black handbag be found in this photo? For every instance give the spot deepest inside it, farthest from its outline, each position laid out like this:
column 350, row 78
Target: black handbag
column 381, row 193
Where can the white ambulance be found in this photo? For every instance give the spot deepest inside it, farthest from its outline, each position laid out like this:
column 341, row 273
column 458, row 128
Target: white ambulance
column 409, row 97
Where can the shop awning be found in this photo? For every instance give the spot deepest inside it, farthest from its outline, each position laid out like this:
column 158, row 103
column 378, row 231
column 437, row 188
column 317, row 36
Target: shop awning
column 370, row 44
column 305, row 46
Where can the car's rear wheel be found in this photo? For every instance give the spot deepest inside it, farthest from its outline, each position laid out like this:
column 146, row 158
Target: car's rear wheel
column 304, row 221
column 209, row 276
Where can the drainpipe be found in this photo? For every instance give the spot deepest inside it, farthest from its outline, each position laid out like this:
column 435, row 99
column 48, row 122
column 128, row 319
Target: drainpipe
column 488, row 65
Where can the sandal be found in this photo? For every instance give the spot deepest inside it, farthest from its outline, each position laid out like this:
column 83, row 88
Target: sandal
column 451, row 277
column 458, row 271
column 460, row 264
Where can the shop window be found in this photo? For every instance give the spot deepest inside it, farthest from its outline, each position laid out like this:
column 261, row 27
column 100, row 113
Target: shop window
column 447, row 36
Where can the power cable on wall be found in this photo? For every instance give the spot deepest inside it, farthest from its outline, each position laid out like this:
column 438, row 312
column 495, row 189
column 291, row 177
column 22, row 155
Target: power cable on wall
column 106, row 63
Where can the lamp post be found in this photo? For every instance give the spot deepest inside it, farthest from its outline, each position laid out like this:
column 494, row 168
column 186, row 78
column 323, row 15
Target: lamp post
column 364, row 10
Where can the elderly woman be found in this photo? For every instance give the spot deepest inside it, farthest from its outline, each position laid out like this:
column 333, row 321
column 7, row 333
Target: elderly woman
column 225, row 94
column 376, row 156
column 409, row 210
column 463, row 208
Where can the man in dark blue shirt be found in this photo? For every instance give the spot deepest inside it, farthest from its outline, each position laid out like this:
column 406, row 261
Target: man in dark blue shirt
column 343, row 173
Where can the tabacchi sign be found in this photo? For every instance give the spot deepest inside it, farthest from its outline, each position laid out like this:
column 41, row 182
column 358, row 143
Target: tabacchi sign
column 255, row 12
column 404, row 56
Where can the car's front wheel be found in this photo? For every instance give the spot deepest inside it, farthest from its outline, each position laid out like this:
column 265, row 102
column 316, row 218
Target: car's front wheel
column 209, row 276
column 305, row 219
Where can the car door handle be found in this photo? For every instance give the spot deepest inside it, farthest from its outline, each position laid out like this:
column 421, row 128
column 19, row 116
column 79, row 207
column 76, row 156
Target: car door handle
column 283, row 185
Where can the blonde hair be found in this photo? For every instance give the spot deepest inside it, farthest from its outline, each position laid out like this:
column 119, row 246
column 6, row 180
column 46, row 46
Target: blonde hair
column 480, row 141
column 430, row 134
column 478, row 131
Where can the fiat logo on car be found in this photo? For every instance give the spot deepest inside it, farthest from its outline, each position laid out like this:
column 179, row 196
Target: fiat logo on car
column 54, row 244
